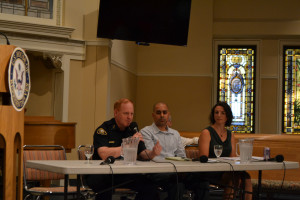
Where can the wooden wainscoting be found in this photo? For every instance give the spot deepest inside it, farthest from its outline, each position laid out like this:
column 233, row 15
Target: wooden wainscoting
column 45, row 130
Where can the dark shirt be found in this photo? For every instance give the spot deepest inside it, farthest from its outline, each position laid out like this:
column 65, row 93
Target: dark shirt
column 215, row 139
column 110, row 135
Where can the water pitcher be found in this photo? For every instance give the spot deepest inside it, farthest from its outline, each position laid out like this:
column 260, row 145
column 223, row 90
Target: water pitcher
column 246, row 149
column 129, row 148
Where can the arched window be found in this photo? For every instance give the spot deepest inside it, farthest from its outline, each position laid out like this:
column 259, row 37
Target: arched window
column 236, row 85
column 291, row 90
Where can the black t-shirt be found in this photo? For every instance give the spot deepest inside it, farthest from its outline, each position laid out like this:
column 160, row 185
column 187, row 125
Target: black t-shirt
column 110, row 135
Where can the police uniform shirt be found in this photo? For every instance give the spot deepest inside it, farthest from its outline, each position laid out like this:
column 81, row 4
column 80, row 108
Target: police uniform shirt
column 110, row 135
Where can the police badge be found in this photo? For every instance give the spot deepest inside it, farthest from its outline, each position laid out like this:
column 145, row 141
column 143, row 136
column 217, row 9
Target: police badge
column 19, row 78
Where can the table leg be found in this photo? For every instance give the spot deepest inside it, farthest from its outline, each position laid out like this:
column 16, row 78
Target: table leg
column 243, row 187
column 66, row 186
column 259, row 185
column 78, row 186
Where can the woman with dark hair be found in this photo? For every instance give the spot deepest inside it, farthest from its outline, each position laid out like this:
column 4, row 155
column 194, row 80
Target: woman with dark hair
column 217, row 134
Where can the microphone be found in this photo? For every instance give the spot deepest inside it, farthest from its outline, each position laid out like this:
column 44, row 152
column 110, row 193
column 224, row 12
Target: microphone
column 278, row 158
column 108, row 160
column 202, row 159
column 133, row 127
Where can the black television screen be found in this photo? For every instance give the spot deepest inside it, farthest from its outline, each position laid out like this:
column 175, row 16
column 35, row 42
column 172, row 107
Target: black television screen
column 148, row 21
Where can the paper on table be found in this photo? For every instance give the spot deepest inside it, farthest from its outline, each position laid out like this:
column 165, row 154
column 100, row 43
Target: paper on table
column 230, row 158
column 178, row 158
column 257, row 158
column 212, row 160
column 238, row 158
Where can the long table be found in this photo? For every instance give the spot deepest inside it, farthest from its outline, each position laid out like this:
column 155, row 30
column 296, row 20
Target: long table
column 79, row 167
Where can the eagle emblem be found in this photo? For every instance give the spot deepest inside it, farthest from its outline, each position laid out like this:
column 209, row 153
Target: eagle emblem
column 19, row 78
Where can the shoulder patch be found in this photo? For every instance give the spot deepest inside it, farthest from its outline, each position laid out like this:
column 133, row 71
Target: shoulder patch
column 101, row 131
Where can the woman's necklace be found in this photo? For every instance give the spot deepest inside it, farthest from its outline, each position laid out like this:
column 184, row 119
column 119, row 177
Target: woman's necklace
column 222, row 133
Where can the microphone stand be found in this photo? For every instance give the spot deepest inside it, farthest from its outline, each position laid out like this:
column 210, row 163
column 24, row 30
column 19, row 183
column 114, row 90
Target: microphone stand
column 7, row 41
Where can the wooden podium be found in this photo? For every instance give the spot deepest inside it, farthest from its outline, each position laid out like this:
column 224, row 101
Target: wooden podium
column 11, row 134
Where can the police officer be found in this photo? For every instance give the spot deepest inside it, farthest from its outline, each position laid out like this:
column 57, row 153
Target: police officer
column 107, row 142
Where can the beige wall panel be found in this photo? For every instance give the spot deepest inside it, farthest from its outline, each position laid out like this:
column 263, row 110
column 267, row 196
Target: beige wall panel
column 263, row 29
column 102, row 84
column 200, row 28
column 76, row 104
column 82, row 98
column 40, row 102
column 261, row 19
column 162, row 59
column 82, row 102
column 123, row 85
column 194, row 59
column 189, row 100
column 256, row 9
column 269, row 106
column 88, row 94
column 124, row 53
column 91, row 22
column 73, row 16
column 269, row 58
column 83, row 16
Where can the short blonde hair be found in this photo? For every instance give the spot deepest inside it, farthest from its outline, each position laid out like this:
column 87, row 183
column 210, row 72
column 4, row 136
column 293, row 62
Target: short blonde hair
column 118, row 103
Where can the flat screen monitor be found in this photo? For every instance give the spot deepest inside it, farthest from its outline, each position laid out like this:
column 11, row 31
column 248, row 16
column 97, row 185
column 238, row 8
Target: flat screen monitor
column 145, row 21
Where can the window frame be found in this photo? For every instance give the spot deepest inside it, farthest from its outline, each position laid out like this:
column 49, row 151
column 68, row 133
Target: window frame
column 56, row 21
column 215, row 70
column 283, row 49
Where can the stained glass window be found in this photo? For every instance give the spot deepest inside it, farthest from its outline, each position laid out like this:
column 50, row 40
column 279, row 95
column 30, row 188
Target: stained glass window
column 236, row 84
column 291, row 91
column 32, row 8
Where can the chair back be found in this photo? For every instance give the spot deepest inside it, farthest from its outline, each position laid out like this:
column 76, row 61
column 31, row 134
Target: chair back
column 42, row 152
column 192, row 153
column 80, row 151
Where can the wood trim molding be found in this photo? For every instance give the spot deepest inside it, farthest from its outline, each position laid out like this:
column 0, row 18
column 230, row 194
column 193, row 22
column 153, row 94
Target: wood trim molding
column 272, row 76
column 121, row 66
column 43, row 38
column 174, row 75
column 15, row 27
column 74, row 48
column 101, row 42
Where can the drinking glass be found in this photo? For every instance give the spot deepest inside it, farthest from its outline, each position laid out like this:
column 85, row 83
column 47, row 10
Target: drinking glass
column 218, row 150
column 88, row 152
column 122, row 152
